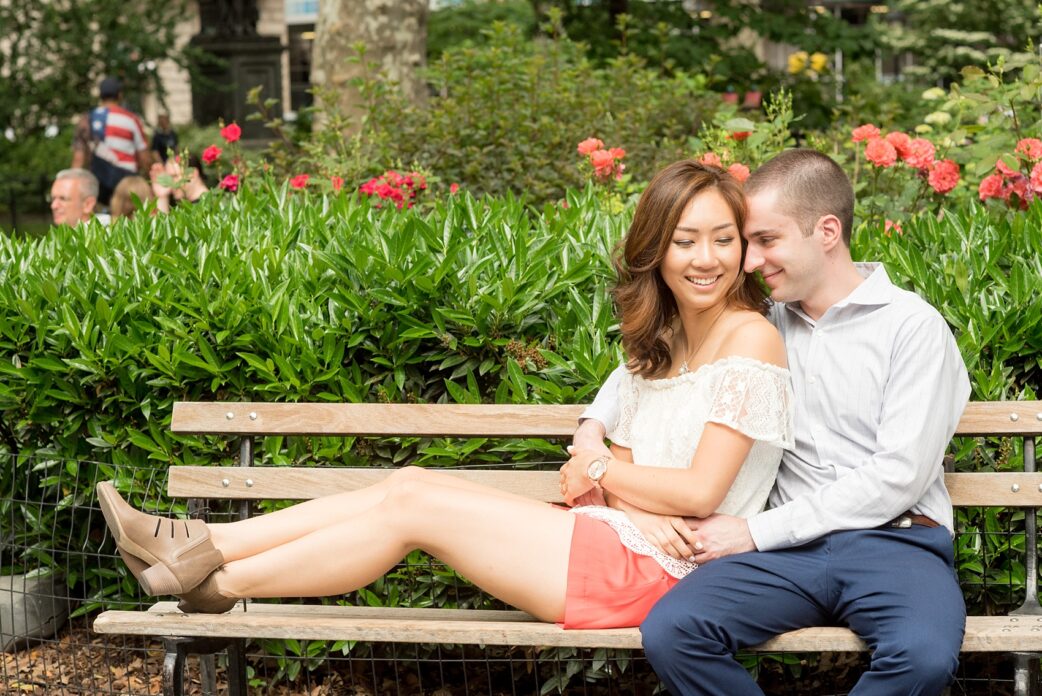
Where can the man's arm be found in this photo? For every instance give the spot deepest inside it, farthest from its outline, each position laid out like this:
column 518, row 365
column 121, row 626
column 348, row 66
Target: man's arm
column 922, row 402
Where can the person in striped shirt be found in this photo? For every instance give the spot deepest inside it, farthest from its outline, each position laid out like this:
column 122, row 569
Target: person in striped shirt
column 110, row 141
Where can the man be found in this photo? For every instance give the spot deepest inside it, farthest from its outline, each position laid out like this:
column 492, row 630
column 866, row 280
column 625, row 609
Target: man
column 860, row 527
column 73, row 196
column 110, row 141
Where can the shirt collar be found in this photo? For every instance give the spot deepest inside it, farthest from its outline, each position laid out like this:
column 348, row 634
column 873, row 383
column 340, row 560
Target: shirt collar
column 876, row 291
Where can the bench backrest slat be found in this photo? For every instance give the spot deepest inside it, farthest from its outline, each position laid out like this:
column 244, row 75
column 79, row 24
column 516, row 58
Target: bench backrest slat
column 484, row 420
column 304, row 483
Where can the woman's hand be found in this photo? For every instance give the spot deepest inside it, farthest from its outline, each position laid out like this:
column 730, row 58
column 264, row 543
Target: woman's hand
column 668, row 533
column 574, row 481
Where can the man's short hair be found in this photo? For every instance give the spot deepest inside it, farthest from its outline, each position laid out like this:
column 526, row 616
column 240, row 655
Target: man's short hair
column 810, row 185
column 110, row 88
column 88, row 182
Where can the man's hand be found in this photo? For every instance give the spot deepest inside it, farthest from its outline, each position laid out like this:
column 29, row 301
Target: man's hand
column 590, row 436
column 720, row 535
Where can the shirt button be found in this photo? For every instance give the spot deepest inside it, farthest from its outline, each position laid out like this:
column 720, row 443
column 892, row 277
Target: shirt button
column 812, row 380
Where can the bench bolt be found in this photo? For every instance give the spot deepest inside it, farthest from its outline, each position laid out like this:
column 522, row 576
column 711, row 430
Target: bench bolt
column 249, row 483
column 1015, row 488
column 253, row 415
column 1014, row 417
column 225, row 482
column 229, row 415
column 1038, row 416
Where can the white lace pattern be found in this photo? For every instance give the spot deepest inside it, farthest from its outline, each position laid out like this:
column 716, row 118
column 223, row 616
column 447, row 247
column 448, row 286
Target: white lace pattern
column 662, row 422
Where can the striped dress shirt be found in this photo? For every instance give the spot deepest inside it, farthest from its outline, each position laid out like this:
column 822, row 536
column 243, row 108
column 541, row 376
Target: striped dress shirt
column 880, row 386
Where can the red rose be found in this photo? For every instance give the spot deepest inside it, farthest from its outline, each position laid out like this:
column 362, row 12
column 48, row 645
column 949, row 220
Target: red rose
column 944, row 176
column 865, row 132
column 211, row 154
column 1030, row 148
column 990, row 187
column 231, row 133
column 300, row 181
column 900, row 141
column 338, row 183
column 740, row 135
column 920, row 153
column 589, row 145
column 880, row 153
column 230, row 183
column 453, row 189
column 739, row 171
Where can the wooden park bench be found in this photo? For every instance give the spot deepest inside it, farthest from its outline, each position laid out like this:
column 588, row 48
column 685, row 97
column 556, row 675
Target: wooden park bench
column 1019, row 633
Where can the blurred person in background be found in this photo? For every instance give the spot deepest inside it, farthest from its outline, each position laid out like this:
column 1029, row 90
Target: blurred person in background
column 74, row 194
column 123, row 203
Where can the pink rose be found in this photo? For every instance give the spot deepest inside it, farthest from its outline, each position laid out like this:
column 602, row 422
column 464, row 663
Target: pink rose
column 1036, row 178
column 211, row 154
column 889, row 227
column 453, row 189
column 603, row 161
column 920, row 153
column 300, row 181
column 865, row 132
column 1005, row 170
column 711, row 159
column 880, row 153
column 739, row 171
column 944, row 175
column 230, row 183
column 990, row 187
column 231, row 133
column 900, row 141
column 617, row 152
column 1030, row 148
column 589, row 146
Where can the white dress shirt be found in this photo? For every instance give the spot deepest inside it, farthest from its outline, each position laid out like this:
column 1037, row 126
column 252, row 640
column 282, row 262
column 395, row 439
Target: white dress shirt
column 880, row 386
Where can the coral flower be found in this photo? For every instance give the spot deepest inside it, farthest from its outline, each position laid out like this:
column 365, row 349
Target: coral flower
column 889, row 227
column 711, row 159
column 453, row 188
column 990, row 187
column 1005, row 170
column 338, row 183
column 231, row 133
column 299, row 181
column 920, row 153
column 1030, row 148
column 865, row 132
column 589, row 146
column 1036, row 178
column 900, row 142
column 740, row 135
column 739, row 171
column 880, row 153
column 211, row 154
column 944, row 176
column 230, row 183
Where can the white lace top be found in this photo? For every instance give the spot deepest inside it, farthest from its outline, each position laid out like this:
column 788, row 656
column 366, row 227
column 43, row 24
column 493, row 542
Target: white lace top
column 662, row 421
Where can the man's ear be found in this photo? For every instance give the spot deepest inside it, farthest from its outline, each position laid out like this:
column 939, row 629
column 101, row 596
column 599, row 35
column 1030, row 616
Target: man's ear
column 831, row 230
column 89, row 203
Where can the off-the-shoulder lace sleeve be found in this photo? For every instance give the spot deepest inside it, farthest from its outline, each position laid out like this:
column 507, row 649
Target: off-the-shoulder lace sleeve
column 622, row 433
column 754, row 398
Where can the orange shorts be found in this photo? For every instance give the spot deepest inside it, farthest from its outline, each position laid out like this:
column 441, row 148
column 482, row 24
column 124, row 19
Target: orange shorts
column 609, row 586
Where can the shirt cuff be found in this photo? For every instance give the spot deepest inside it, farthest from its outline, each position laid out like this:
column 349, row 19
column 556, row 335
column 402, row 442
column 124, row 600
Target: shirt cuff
column 767, row 530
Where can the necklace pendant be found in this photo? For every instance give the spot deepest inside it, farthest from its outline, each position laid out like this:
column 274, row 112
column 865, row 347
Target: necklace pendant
column 683, row 368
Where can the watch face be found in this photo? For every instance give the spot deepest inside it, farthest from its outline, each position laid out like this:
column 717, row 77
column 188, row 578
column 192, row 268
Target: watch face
column 596, row 469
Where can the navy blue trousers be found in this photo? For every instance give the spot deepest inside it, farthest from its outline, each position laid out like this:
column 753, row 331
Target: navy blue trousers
column 895, row 588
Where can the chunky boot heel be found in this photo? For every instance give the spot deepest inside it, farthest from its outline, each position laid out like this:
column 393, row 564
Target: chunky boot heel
column 170, row 556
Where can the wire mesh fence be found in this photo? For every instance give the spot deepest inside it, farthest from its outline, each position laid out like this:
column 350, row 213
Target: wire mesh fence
column 59, row 568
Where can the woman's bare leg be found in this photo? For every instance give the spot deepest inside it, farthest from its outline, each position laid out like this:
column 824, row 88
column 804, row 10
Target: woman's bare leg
column 512, row 547
column 237, row 540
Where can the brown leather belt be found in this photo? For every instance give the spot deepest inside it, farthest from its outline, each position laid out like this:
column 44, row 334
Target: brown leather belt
column 908, row 519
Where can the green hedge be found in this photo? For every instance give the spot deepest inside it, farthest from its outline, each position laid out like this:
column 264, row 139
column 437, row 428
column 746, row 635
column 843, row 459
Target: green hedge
column 279, row 296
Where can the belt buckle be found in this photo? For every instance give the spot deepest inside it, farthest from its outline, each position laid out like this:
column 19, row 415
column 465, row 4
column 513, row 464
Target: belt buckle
column 902, row 522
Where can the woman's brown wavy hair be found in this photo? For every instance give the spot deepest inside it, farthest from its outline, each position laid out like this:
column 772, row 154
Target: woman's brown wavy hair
column 645, row 303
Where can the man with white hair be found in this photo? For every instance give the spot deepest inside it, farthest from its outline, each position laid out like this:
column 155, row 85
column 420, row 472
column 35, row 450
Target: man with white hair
column 74, row 194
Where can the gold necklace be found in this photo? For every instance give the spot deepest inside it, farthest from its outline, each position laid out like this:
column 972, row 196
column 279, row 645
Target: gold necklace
column 683, row 365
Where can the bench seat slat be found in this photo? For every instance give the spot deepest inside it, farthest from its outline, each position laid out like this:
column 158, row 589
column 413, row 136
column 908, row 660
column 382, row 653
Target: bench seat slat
column 446, row 626
column 482, row 420
column 304, row 483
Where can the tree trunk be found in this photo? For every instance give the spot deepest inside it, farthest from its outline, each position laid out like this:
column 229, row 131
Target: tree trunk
column 395, row 36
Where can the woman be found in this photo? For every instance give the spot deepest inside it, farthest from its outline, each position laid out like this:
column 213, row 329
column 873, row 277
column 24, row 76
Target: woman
column 705, row 414
column 122, row 204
